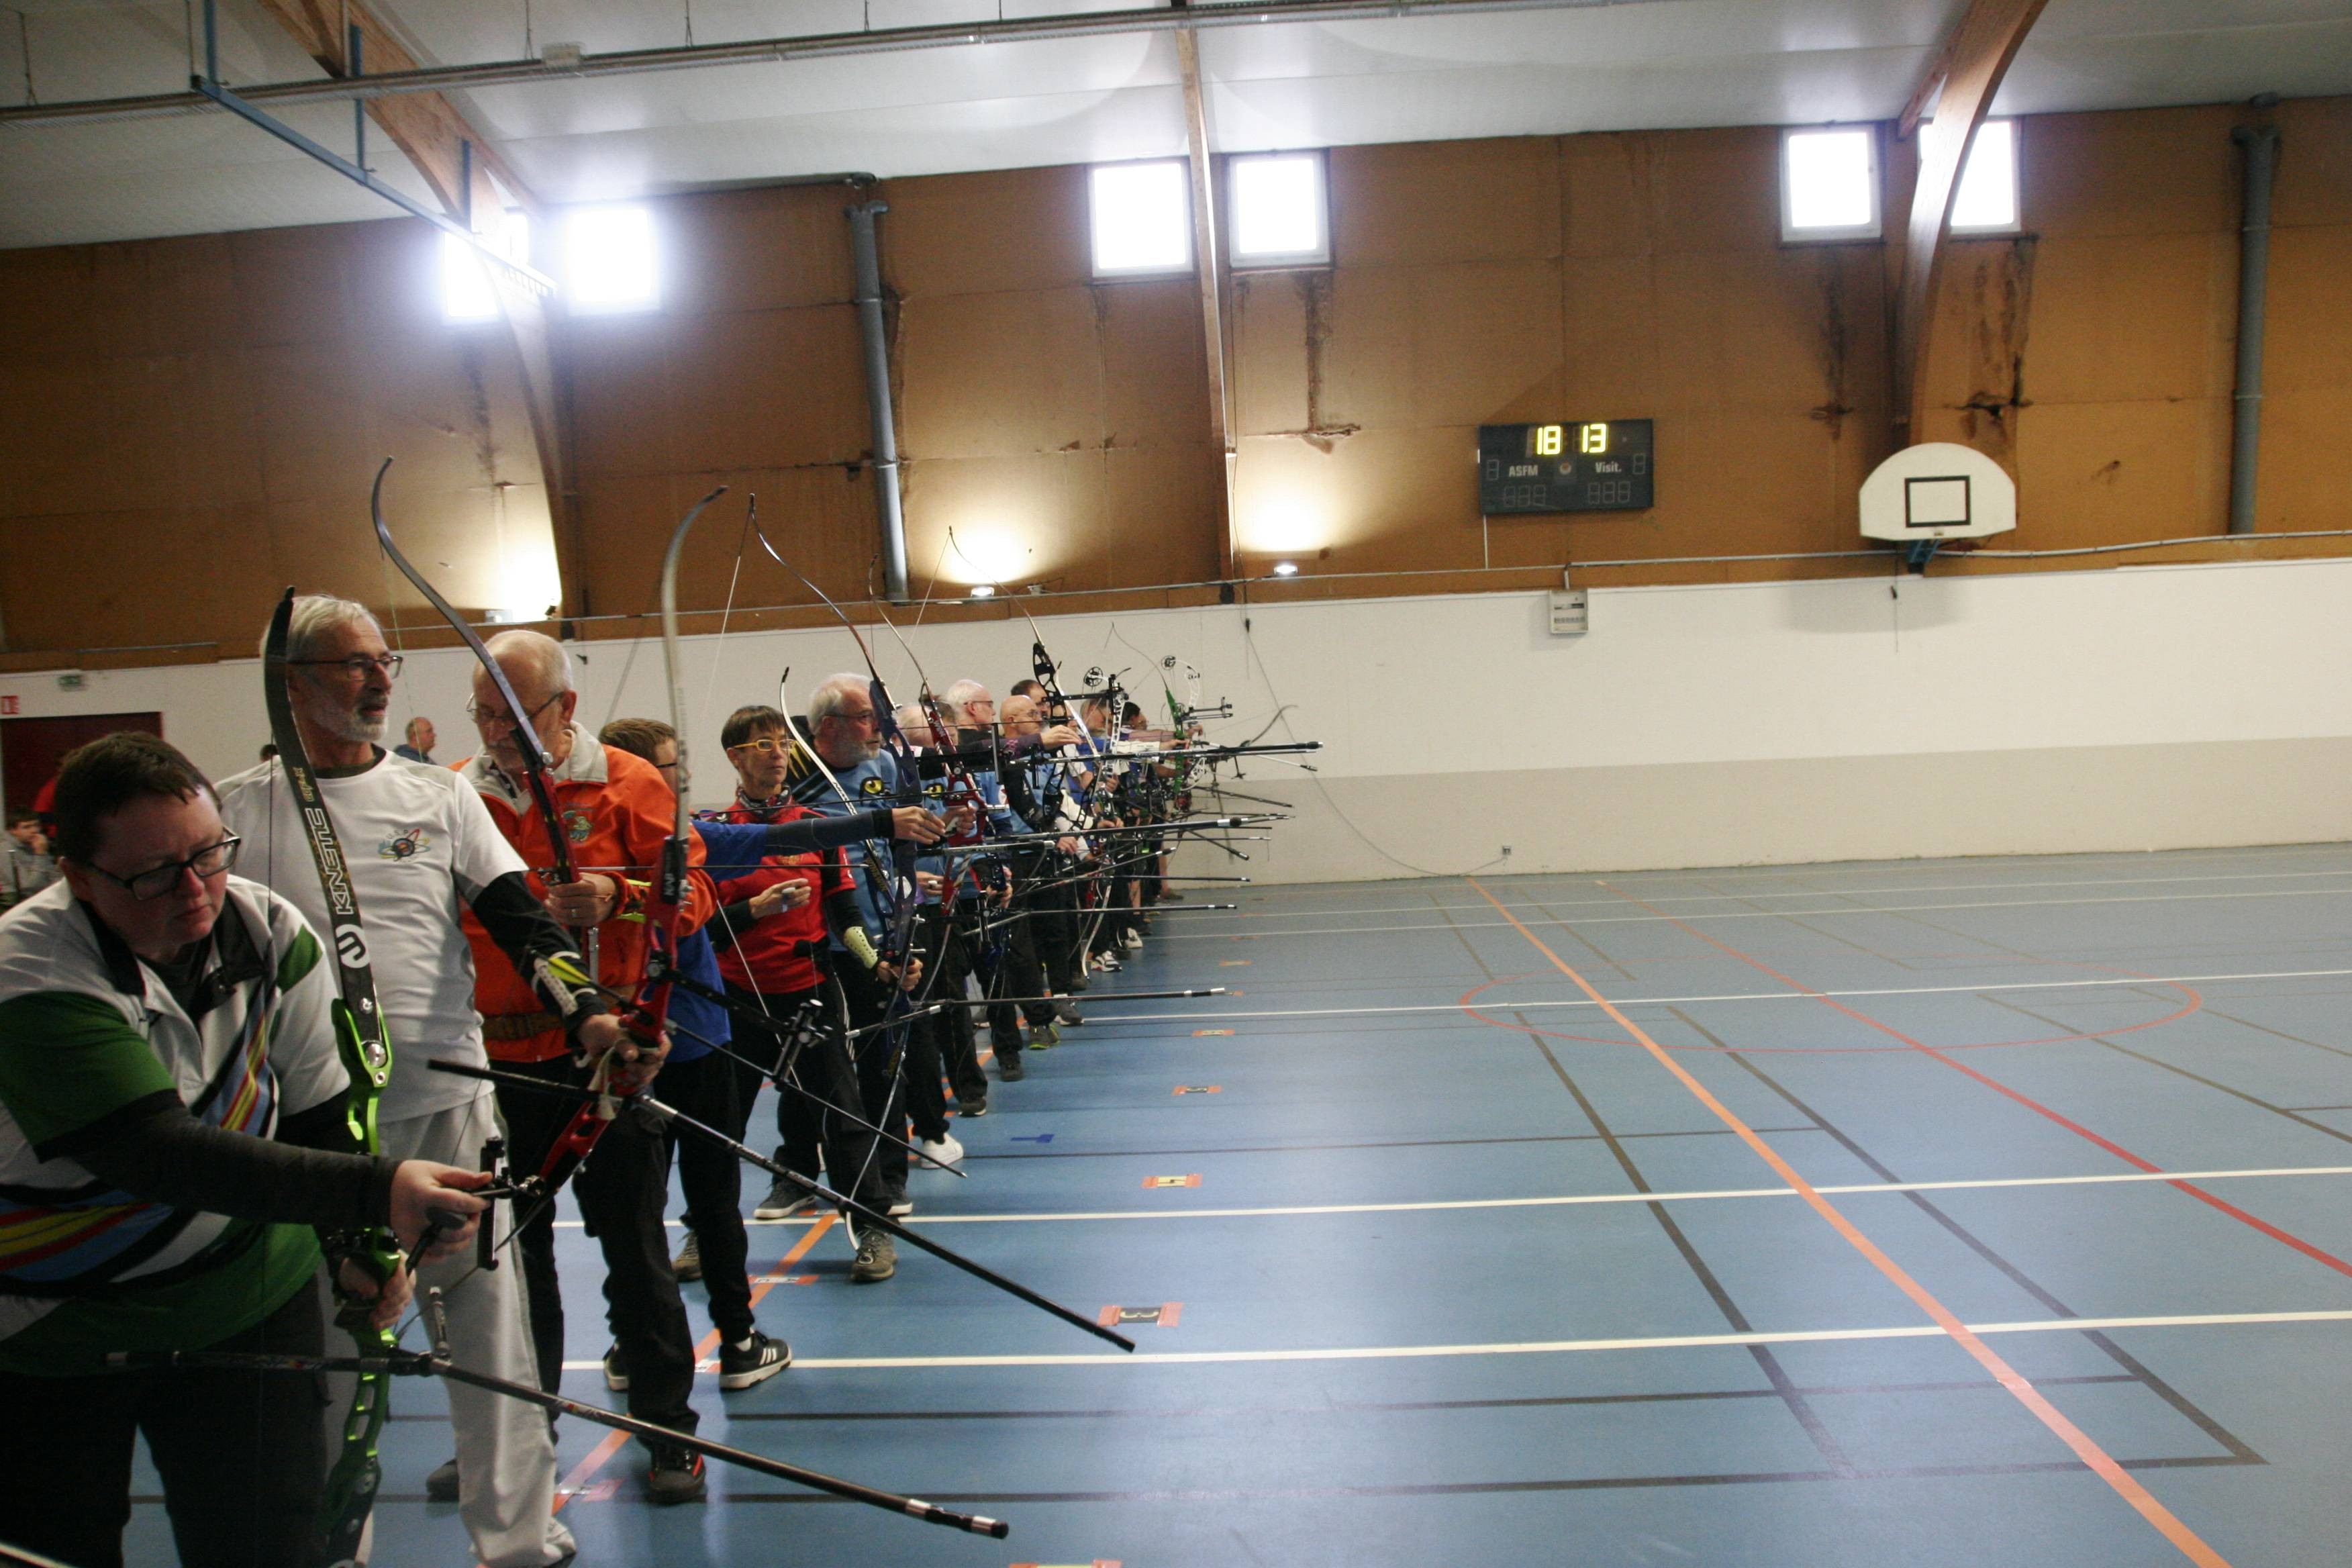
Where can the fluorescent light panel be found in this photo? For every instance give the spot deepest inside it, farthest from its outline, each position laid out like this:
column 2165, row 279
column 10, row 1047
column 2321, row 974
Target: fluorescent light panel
column 1277, row 208
column 1142, row 218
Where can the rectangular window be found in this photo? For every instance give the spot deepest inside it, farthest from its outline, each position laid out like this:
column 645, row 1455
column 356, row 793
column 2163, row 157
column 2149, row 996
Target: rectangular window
column 466, row 292
column 1275, row 205
column 1985, row 202
column 1829, row 182
column 1142, row 218
column 611, row 262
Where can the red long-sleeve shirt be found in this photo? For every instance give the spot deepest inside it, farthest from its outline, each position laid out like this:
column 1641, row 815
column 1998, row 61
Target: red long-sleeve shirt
column 772, row 956
column 618, row 812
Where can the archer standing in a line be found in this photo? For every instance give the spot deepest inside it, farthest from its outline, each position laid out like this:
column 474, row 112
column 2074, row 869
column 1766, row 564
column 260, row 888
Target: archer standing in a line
column 420, row 847
column 174, row 1125
column 615, row 811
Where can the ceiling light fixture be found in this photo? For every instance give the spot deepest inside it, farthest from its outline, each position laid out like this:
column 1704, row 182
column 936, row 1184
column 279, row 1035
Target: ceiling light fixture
column 982, row 591
column 1286, row 568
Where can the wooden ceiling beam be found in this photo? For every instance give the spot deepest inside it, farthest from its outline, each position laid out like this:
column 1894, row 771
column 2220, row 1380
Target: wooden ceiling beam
column 1943, row 113
column 468, row 176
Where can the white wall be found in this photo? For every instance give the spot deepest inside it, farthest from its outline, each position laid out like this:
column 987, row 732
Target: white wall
column 2137, row 708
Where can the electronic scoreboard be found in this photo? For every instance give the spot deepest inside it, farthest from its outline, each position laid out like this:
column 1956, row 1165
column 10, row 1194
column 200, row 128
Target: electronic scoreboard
column 1594, row 466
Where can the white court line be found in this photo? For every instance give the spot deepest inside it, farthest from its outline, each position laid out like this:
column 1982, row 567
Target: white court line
column 2103, row 1178
column 1765, row 914
column 1515, row 1006
column 1785, row 894
column 1551, row 1347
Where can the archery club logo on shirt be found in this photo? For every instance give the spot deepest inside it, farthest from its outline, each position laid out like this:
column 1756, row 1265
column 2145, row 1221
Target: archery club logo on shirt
column 575, row 825
column 872, row 786
column 406, row 845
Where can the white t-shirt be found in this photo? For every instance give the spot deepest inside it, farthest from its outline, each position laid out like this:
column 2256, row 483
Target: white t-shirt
column 420, row 844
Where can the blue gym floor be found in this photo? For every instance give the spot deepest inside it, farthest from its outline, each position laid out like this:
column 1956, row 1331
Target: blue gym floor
column 1469, row 1275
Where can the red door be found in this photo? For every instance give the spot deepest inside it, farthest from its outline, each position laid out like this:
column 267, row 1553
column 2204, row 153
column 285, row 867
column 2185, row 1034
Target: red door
column 31, row 749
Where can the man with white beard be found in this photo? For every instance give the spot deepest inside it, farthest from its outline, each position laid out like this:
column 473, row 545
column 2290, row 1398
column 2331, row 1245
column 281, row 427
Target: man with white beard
column 419, row 844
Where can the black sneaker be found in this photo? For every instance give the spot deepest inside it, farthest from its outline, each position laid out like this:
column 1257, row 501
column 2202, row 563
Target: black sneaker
column 976, row 1106
column 755, row 1359
column 1067, row 1013
column 441, row 1486
column 1010, row 1070
column 616, row 1371
column 688, row 1265
column 676, row 1476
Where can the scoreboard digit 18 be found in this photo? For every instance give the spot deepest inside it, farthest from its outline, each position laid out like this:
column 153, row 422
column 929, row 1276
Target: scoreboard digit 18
column 1596, row 465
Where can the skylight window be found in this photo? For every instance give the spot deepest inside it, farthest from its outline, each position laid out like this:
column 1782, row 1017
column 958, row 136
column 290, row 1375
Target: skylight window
column 1828, row 184
column 611, row 259
column 1142, row 219
column 468, row 293
column 1277, row 210
column 1987, row 202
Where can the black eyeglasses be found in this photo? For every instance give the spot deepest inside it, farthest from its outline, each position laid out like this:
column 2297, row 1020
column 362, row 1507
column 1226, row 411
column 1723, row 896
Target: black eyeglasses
column 358, row 664
column 498, row 715
column 156, row 881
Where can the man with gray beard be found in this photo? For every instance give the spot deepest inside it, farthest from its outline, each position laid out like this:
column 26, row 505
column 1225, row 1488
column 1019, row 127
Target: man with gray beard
column 420, row 845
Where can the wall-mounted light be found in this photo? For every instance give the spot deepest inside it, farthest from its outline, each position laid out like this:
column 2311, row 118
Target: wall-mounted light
column 1286, row 568
column 981, row 591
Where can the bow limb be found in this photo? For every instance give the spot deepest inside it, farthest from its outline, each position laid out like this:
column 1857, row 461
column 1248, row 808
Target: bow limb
column 366, row 1055
column 667, row 908
column 534, row 758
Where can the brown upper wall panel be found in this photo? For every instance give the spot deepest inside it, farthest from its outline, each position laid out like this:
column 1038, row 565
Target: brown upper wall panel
column 1274, row 316
column 1035, row 517
column 163, row 581
column 2176, row 172
column 2308, row 346
column 986, row 233
column 1155, row 367
column 1464, row 343
column 767, row 389
column 1629, row 193
column 2315, row 173
column 765, row 250
column 1000, row 374
column 622, row 418
column 2107, row 472
column 1445, row 201
column 2122, row 318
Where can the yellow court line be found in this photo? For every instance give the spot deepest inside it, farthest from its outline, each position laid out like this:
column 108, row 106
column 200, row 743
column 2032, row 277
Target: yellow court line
column 602, row 1454
column 2101, row 1463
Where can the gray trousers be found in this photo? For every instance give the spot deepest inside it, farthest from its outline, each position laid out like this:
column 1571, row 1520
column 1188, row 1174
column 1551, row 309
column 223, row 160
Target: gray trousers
column 506, row 1456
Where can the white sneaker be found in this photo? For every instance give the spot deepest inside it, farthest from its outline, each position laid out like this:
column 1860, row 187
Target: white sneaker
column 946, row 1150
column 1134, row 939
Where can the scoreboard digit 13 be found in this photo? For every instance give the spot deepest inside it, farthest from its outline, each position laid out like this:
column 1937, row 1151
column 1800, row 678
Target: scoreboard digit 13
column 1598, row 465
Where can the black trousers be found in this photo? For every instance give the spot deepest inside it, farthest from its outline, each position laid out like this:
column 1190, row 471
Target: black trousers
column 713, row 1177
column 1011, row 938
column 812, row 1136
column 960, row 958
column 242, row 1455
column 623, row 1187
column 1053, row 924
column 898, row 1070
column 940, row 1042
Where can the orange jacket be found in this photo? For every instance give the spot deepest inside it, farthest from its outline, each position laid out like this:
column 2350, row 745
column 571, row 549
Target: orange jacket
column 618, row 811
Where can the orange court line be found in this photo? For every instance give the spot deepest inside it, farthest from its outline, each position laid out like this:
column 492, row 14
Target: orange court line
column 2318, row 1255
column 602, row 1454
column 2101, row 1463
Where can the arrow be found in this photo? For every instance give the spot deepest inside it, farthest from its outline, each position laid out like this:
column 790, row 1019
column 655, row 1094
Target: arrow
column 1039, row 1138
